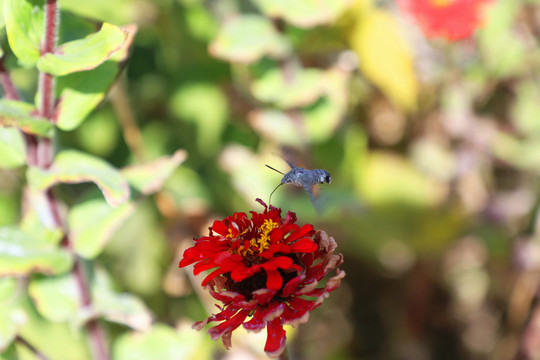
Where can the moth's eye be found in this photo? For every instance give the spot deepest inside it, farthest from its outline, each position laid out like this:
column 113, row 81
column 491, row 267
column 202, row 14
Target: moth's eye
column 288, row 181
column 328, row 179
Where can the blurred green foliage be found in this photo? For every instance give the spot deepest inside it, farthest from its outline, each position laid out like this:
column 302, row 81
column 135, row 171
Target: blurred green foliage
column 433, row 147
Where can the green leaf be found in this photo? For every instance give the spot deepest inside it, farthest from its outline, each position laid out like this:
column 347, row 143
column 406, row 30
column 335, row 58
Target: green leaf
column 12, row 316
column 8, row 288
column 391, row 179
column 161, row 342
column 246, row 39
column 100, row 134
column 303, row 87
column 55, row 340
column 10, row 353
column 84, row 54
column 187, row 191
column 38, row 221
column 24, row 26
column 18, row 114
column 320, row 120
column 2, row 17
column 240, row 162
column 277, row 126
column 57, row 298
column 138, row 249
column 526, row 109
column 10, row 204
column 523, row 154
column 21, row 254
column 149, row 178
column 74, row 167
column 504, row 51
column 117, row 12
column 121, row 308
column 304, row 13
column 82, row 91
column 205, row 105
column 45, row 227
column 12, row 148
column 93, row 222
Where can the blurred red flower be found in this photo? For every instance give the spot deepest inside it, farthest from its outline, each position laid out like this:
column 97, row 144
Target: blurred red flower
column 264, row 268
column 451, row 19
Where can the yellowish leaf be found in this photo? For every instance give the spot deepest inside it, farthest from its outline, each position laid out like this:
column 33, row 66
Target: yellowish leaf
column 385, row 58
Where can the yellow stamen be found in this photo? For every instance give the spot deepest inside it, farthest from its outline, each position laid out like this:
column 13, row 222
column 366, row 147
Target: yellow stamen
column 266, row 228
column 230, row 235
column 256, row 244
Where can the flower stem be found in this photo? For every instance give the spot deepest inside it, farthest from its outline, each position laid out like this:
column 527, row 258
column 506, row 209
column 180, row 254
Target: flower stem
column 7, row 85
column 30, row 347
column 46, row 82
column 45, row 154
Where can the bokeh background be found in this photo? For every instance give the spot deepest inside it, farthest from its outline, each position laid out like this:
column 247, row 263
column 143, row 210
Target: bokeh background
column 433, row 145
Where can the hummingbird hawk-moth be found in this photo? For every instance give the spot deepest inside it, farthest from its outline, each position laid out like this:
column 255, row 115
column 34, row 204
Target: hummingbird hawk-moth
column 304, row 178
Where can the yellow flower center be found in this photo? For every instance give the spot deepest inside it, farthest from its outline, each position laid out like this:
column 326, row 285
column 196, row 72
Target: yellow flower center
column 257, row 245
column 264, row 241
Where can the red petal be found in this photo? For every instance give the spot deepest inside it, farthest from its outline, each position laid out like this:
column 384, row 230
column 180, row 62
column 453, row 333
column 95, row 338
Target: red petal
column 453, row 20
column 273, row 280
column 229, row 325
column 282, row 262
column 223, row 256
column 186, row 262
column 262, row 203
column 275, row 342
column 212, row 275
column 202, row 266
column 227, row 296
column 242, row 272
column 273, row 311
column 305, row 245
column 263, row 296
column 220, row 228
column 299, row 304
column 294, row 318
column 292, row 285
column 256, row 323
column 302, row 232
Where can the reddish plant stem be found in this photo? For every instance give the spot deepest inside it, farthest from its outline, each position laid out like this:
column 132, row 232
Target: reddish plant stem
column 11, row 93
column 44, row 160
column 46, row 83
column 7, row 85
column 30, row 347
column 49, row 45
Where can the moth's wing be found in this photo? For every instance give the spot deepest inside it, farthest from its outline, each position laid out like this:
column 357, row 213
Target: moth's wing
column 312, row 191
column 290, row 163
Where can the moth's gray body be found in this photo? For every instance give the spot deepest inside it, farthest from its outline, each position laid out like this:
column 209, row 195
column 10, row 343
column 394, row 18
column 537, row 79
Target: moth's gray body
column 304, row 177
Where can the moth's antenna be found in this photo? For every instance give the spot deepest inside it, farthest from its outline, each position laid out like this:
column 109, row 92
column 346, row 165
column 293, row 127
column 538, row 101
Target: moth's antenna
column 268, row 166
column 270, row 198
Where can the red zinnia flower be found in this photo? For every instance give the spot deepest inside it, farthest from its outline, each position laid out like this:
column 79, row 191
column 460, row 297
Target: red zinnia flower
column 264, row 268
column 451, row 19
